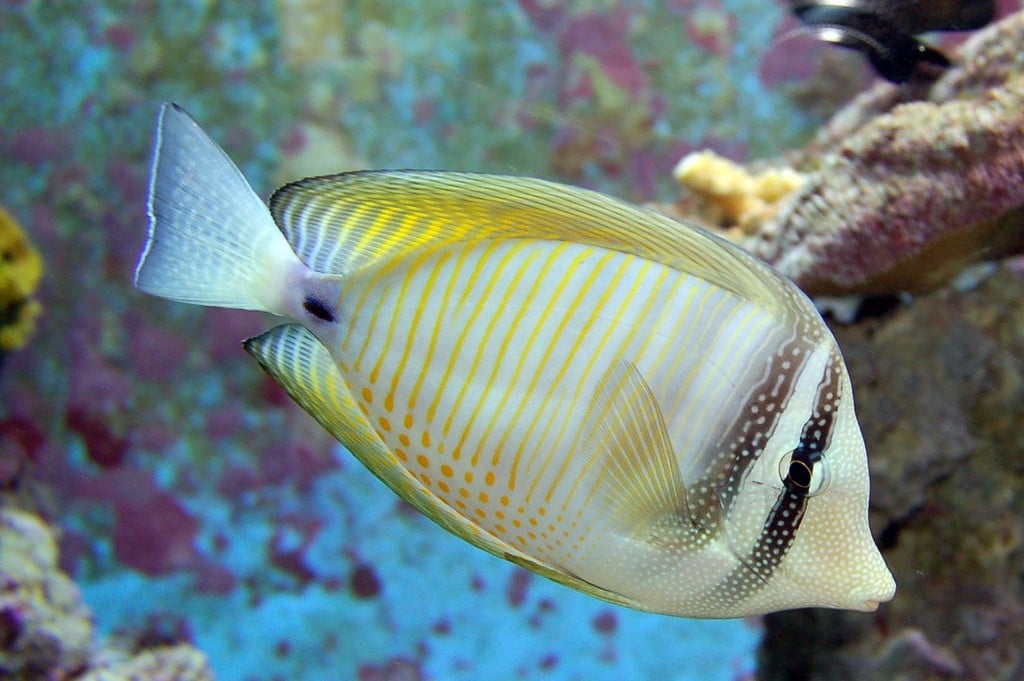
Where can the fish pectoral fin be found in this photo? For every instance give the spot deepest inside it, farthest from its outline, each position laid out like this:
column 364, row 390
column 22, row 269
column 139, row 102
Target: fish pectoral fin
column 636, row 476
column 294, row 357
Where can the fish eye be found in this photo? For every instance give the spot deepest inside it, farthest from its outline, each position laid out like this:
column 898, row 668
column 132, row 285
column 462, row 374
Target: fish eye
column 806, row 477
column 800, row 474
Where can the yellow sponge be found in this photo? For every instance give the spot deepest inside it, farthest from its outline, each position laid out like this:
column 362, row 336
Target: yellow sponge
column 20, row 271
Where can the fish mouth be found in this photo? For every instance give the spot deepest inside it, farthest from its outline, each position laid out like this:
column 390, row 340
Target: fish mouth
column 869, row 602
column 859, row 604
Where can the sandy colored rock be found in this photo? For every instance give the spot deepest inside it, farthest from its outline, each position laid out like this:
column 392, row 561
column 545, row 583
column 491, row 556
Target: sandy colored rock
column 45, row 630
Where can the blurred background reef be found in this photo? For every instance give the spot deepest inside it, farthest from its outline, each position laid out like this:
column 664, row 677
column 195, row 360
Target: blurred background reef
column 160, row 497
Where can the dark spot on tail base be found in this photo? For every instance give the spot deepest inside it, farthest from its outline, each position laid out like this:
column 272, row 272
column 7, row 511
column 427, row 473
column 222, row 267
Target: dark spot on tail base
column 316, row 308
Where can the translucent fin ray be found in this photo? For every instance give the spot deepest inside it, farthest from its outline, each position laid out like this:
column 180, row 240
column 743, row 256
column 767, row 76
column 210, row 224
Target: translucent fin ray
column 211, row 240
column 294, row 357
column 637, row 476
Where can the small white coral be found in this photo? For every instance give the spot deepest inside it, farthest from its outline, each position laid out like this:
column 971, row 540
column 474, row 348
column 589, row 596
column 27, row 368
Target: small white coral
column 47, row 631
column 171, row 663
column 729, row 194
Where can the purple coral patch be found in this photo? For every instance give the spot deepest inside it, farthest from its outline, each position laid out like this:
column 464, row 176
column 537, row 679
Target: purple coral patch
column 606, row 622
column 156, row 535
column 396, row 669
column 518, row 584
column 602, row 36
column 364, row 581
column 104, row 447
column 292, row 558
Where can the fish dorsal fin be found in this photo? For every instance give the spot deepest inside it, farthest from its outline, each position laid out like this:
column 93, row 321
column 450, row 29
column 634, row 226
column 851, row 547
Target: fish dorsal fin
column 636, row 474
column 339, row 224
column 294, row 357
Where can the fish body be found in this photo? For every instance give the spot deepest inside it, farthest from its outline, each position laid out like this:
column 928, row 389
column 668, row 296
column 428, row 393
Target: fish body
column 622, row 403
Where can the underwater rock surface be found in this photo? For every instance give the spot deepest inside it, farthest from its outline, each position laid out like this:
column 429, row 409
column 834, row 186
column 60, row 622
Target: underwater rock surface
column 45, row 630
column 940, row 394
column 47, row 633
column 904, row 187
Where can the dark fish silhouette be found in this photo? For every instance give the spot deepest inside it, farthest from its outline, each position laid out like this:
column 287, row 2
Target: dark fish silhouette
column 885, row 30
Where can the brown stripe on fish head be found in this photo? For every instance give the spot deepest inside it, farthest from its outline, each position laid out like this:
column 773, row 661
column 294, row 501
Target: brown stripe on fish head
column 713, row 495
column 784, row 518
column 756, row 421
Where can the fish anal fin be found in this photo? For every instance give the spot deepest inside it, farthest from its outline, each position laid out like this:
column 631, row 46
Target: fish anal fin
column 297, row 360
column 636, row 475
column 294, row 357
column 569, row 579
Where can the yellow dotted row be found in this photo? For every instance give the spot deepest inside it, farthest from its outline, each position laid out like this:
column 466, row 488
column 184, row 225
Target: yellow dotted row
column 444, row 486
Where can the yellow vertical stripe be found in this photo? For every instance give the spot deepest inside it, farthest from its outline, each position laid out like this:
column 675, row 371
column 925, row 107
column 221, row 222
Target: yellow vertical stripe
column 410, row 337
column 524, row 352
column 482, row 298
column 520, row 307
column 456, row 351
column 639, row 278
column 441, row 318
column 599, row 310
column 559, row 332
column 484, row 340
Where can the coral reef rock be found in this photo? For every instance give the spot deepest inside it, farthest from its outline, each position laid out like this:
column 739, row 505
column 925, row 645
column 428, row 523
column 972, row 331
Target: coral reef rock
column 47, row 633
column 907, row 185
column 45, row 630
column 168, row 663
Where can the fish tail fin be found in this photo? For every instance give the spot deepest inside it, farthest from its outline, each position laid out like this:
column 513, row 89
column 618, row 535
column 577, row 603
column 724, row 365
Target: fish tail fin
column 212, row 241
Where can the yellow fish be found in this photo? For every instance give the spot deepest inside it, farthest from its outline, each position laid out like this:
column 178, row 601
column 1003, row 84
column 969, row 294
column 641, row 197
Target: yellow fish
column 614, row 400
